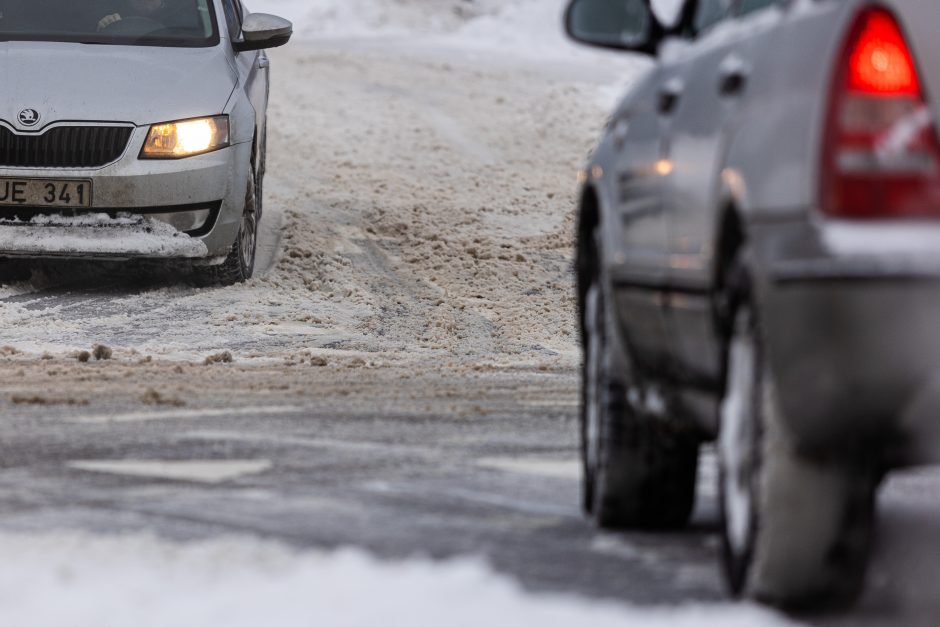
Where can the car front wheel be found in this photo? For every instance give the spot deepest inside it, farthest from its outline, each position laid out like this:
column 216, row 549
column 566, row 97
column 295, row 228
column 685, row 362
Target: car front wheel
column 639, row 470
column 239, row 264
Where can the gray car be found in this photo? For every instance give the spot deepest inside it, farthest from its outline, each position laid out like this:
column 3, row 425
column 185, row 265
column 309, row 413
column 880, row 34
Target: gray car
column 134, row 129
column 758, row 264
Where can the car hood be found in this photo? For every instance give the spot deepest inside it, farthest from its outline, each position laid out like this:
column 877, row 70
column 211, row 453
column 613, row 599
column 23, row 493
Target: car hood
column 138, row 84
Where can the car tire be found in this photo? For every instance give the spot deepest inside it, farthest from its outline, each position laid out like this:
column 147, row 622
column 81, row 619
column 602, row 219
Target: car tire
column 796, row 530
column 13, row 270
column 639, row 471
column 239, row 264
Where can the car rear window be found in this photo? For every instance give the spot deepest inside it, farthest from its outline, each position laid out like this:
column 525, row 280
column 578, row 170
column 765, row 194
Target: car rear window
column 189, row 23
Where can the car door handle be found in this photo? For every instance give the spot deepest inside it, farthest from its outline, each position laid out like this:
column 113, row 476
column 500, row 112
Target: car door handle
column 621, row 127
column 733, row 83
column 669, row 97
column 732, row 77
column 263, row 63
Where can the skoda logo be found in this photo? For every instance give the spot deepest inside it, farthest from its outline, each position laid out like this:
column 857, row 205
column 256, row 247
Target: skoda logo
column 29, row 117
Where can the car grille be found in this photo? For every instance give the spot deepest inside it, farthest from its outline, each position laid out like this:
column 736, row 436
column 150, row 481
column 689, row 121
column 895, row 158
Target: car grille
column 64, row 147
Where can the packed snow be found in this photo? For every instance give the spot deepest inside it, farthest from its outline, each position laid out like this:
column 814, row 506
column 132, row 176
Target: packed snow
column 80, row 580
column 528, row 26
column 509, row 31
column 99, row 234
column 435, row 220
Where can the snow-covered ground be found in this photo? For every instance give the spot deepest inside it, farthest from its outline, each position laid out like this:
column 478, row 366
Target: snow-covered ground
column 507, row 32
column 528, row 28
column 86, row 581
column 421, row 179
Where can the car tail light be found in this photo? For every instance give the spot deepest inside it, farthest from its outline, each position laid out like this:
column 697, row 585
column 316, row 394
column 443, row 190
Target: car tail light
column 881, row 157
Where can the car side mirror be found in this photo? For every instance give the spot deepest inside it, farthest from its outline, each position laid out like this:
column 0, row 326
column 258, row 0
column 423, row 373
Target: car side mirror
column 618, row 24
column 634, row 25
column 261, row 31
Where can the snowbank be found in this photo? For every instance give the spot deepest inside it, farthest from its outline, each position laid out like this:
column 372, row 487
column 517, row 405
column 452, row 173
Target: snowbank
column 344, row 18
column 78, row 580
column 525, row 28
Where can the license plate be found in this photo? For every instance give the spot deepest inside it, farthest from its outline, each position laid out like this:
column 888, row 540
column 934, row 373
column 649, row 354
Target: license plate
column 44, row 193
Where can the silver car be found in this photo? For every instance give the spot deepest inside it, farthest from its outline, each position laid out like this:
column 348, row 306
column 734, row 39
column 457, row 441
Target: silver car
column 134, row 129
column 758, row 264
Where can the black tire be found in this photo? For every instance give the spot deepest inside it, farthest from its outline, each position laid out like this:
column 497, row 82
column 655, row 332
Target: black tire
column 239, row 265
column 796, row 531
column 12, row 270
column 639, row 471
column 261, row 170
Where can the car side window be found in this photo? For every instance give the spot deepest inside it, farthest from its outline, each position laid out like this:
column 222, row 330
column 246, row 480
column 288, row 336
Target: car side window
column 710, row 12
column 202, row 6
column 743, row 7
column 233, row 17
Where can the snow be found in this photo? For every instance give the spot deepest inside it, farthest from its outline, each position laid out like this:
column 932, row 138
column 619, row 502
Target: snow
column 93, row 581
column 433, row 225
column 445, row 198
column 520, row 28
column 89, row 219
column 551, row 468
column 194, row 470
column 99, row 234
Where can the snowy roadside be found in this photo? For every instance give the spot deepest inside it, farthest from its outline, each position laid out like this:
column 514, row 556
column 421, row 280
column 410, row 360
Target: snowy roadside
column 80, row 580
column 518, row 28
column 520, row 33
column 427, row 213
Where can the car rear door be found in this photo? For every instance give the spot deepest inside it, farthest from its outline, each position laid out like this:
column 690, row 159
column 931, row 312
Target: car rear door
column 713, row 72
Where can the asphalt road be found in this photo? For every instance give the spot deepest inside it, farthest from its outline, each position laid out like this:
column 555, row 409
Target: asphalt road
column 442, row 465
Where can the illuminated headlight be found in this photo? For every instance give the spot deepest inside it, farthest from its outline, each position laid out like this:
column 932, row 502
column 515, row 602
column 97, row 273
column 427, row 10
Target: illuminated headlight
column 187, row 138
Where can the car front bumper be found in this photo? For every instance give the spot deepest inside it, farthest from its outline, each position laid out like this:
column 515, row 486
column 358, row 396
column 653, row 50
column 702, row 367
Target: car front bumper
column 851, row 317
column 186, row 208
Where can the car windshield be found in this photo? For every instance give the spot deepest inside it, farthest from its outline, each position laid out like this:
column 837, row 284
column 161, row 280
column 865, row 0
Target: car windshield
column 122, row 22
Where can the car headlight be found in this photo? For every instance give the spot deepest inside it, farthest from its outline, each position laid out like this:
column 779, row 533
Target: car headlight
column 186, row 138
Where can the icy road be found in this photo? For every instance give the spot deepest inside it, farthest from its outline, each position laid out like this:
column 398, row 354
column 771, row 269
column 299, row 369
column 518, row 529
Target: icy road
column 400, row 378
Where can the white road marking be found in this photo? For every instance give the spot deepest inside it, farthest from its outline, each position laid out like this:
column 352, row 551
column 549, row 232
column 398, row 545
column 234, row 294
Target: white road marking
column 437, row 495
column 198, row 471
column 561, row 402
column 175, row 414
column 278, row 440
column 607, row 544
column 553, row 468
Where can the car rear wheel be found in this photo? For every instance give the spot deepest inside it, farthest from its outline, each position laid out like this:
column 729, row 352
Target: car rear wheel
column 795, row 529
column 239, row 264
column 639, row 471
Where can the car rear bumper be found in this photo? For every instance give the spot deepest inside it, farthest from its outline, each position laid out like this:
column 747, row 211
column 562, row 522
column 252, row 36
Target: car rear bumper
column 853, row 338
column 199, row 199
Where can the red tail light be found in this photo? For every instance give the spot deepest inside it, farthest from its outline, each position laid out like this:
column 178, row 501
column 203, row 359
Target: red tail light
column 880, row 63
column 882, row 155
